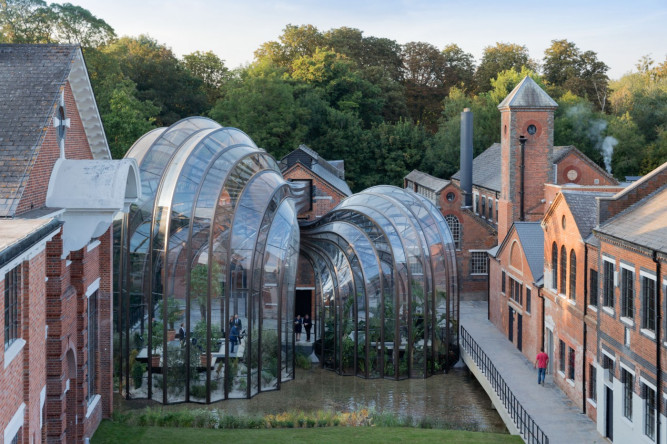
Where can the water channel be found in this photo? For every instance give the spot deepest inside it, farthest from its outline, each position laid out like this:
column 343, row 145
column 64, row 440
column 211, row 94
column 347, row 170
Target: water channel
column 455, row 398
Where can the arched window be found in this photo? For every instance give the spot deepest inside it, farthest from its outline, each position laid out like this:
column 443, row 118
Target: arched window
column 455, row 228
column 573, row 275
column 563, row 270
column 554, row 266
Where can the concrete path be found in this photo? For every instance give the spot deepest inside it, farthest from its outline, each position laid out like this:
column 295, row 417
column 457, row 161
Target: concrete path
column 553, row 412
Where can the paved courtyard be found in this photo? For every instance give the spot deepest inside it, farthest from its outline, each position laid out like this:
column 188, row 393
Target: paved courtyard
column 559, row 418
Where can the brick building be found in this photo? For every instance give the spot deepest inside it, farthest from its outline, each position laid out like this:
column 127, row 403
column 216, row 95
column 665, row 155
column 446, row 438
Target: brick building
column 59, row 191
column 324, row 184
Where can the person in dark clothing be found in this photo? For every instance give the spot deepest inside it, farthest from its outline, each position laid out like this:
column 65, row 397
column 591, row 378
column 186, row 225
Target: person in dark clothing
column 237, row 322
column 181, row 334
column 233, row 337
column 298, row 322
column 307, row 324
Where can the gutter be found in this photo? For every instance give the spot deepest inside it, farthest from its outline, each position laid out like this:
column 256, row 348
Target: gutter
column 658, row 335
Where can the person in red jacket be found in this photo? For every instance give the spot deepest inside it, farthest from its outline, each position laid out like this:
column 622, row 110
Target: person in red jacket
column 541, row 364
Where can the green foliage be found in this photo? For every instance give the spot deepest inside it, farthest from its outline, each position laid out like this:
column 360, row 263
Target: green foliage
column 303, row 361
column 157, row 336
column 138, row 370
column 498, row 58
column 211, row 70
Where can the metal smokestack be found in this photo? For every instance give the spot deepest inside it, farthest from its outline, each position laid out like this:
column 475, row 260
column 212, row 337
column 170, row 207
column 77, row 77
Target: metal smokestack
column 466, row 157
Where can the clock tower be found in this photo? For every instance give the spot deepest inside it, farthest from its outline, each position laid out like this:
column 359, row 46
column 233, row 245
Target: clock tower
column 527, row 139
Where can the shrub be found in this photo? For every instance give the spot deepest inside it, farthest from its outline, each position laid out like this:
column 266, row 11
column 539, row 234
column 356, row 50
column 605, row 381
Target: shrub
column 138, row 370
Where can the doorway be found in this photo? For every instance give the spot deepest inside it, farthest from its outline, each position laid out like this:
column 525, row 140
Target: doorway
column 510, row 330
column 519, row 331
column 303, row 303
column 609, row 414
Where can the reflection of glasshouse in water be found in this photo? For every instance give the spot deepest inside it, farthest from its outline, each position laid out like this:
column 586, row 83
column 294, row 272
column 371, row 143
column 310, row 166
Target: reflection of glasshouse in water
column 386, row 296
column 216, row 235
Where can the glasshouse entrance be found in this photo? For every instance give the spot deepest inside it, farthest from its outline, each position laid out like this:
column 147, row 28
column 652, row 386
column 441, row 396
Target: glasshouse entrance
column 205, row 270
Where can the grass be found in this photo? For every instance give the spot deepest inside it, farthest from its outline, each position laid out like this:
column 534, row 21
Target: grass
column 113, row 432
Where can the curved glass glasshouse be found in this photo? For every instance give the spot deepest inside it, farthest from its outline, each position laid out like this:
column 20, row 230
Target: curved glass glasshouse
column 386, row 286
column 205, row 268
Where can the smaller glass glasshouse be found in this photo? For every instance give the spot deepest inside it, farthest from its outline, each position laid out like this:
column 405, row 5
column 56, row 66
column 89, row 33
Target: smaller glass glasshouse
column 205, row 270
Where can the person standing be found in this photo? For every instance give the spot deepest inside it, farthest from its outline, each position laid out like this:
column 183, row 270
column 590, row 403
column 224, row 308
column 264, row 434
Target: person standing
column 181, row 334
column 307, row 324
column 541, row 362
column 298, row 322
column 233, row 337
column 237, row 322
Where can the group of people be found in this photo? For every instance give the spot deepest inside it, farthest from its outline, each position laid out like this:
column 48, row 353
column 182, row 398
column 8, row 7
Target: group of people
column 235, row 332
column 304, row 323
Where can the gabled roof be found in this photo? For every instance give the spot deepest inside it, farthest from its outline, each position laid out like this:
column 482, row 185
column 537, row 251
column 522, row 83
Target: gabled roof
column 31, row 78
column 643, row 224
column 531, row 238
column 332, row 174
column 432, row 183
column 486, row 169
column 528, row 94
column 583, row 206
column 561, row 152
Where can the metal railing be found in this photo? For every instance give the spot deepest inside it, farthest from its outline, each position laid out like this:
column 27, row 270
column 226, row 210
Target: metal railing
column 530, row 431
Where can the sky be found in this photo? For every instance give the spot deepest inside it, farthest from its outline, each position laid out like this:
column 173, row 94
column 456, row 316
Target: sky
column 619, row 31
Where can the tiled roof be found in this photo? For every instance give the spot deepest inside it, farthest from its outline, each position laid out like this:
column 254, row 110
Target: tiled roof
column 583, row 206
column 30, row 81
column 333, row 174
column 531, row 237
column 528, row 94
column 643, row 224
column 486, row 169
column 432, row 183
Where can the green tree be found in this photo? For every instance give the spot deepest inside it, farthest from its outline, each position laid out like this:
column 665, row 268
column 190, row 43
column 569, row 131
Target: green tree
column 74, row 24
column 423, row 72
column 459, row 68
column 211, row 70
column 26, row 21
column 499, row 58
column 295, row 42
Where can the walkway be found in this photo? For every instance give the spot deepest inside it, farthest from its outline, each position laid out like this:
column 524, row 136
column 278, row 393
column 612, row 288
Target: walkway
column 553, row 412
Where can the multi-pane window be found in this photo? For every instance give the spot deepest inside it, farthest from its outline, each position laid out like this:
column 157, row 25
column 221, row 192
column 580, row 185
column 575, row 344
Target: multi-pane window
column 478, row 262
column 563, row 270
column 308, row 190
column 592, row 383
column 503, row 283
column 515, row 291
column 608, row 288
column 627, row 380
column 483, row 212
column 593, row 288
column 627, row 293
column 561, row 355
column 12, row 312
column 92, row 343
column 648, row 303
column 528, row 300
column 490, row 209
column 573, row 275
column 649, row 411
column 570, row 363
column 476, row 203
column 455, row 228
column 554, row 266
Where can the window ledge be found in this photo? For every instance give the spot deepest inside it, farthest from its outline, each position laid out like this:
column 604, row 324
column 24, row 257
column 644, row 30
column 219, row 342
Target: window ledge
column 572, row 301
column 628, row 321
column 479, row 274
column 609, row 311
column 92, row 404
column 591, row 402
column 561, row 374
column 570, row 381
column 13, row 351
column 593, row 307
column 648, row 333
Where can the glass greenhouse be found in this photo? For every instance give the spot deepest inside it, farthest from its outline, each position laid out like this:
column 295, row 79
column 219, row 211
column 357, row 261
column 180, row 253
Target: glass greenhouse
column 386, row 286
column 215, row 235
column 205, row 269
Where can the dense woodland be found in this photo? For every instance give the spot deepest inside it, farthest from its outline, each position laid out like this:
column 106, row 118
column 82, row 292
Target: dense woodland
column 385, row 108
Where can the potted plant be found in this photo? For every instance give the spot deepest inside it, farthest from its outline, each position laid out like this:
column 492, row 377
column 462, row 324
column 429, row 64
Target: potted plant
column 174, row 313
column 157, row 338
column 199, row 338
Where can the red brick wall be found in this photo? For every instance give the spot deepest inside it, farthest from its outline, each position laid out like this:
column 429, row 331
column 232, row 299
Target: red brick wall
column 476, row 234
column 76, row 147
column 324, row 199
column 574, row 169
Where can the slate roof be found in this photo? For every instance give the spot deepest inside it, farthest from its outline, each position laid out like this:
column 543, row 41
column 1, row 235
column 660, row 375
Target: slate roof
column 531, row 237
column 30, row 81
column 432, row 183
column 486, row 169
column 528, row 94
column 332, row 173
column 583, row 206
column 643, row 224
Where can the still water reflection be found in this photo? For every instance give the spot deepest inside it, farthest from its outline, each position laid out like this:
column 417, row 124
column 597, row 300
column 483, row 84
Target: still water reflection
column 455, row 398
